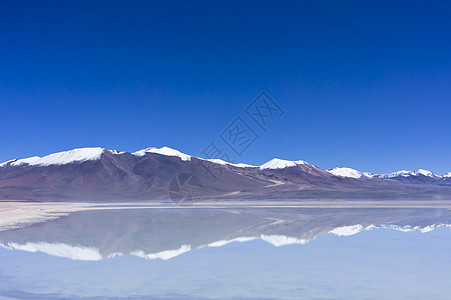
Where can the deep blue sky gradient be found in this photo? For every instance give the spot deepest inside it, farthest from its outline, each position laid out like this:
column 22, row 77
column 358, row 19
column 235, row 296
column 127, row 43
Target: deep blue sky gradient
column 364, row 84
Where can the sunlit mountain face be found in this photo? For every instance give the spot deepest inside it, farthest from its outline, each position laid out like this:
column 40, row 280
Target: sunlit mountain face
column 98, row 174
column 167, row 233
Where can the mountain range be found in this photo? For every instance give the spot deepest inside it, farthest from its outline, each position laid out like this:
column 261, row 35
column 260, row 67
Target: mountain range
column 153, row 174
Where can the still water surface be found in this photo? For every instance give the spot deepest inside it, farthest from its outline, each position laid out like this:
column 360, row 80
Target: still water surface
column 231, row 253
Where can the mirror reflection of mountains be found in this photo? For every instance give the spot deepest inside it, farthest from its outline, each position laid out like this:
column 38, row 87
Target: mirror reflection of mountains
column 166, row 233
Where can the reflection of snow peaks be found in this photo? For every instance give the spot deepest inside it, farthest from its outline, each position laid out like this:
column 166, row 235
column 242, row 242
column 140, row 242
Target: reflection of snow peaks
column 354, row 229
column 88, row 253
column 282, row 240
column 409, row 228
column 347, row 230
column 164, row 255
column 93, row 254
column 275, row 240
column 58, row 249
column 225, row 242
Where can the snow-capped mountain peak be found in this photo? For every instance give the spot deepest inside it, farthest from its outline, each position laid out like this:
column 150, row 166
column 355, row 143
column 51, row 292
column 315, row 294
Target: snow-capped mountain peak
column 223, row 162
column 60, row 158
column 370, row 175
column 351, row 173
column 426, row 173
column 405, row 173
column 163, row 151
column 277, row 163
column 94, row 153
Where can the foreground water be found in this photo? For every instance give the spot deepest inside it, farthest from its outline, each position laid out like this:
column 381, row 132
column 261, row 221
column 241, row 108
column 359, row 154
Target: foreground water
column 231, row 253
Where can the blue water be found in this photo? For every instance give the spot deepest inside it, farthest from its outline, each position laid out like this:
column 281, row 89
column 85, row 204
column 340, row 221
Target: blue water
column 373, row 264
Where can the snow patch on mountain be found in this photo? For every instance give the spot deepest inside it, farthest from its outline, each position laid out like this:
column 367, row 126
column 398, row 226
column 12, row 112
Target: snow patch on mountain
column 402, row 173
column 447, row 175
column 7, row 162
column 370, row 175
column 347, row 172
column 405, row 173
column 277, row 163
column 163, row 151
column 223, row 162
column 426, row 173
column 60, row 158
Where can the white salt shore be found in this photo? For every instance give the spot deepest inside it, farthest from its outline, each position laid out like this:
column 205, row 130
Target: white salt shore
column 15, row 214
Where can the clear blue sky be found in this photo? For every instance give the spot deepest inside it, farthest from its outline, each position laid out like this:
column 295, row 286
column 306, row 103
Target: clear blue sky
column 364, row 84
